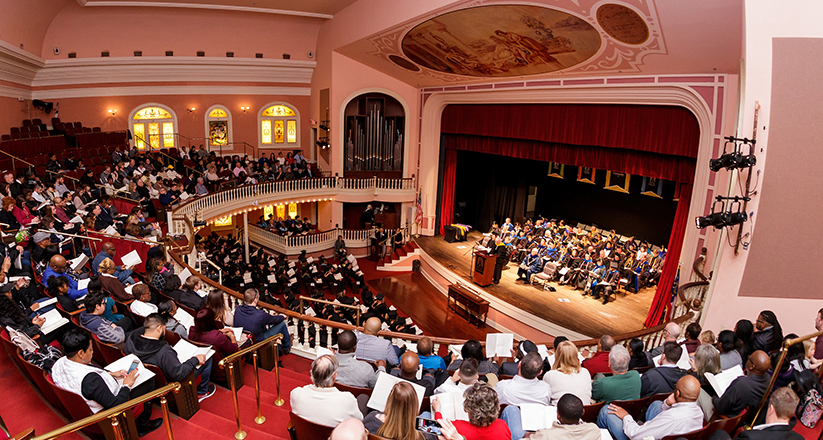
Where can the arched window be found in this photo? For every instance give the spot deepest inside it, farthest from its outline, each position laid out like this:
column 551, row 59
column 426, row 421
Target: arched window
column 279, row 126
column 154, row 126
column 218, row 127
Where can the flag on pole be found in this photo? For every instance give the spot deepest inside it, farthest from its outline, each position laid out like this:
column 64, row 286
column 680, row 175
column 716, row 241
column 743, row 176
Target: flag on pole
column 419, row 206
column 675, row 285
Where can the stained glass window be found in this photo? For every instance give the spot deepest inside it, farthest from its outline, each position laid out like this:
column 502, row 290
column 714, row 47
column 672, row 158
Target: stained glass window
column 139, row 136
column 152, row 113
column 266, row 131
column 154, row 135
column 218, row 113
column 278, row 110
column 292, row 210
column 168, row 135
column 278, row 132
column 267, row 212
column 291, row 131
column 281, row 212
column 225, row 221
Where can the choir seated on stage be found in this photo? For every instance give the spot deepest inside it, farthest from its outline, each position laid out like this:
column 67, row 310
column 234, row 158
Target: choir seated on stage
column 595, row 262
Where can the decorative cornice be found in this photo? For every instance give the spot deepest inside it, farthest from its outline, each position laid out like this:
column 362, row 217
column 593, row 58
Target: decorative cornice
column 17, row 65
column 171, row 69
column 88, row 92
column 14, row 92
column 205, row 6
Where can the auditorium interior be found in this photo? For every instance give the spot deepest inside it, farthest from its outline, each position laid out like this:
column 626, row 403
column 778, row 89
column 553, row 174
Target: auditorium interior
column 613, row 153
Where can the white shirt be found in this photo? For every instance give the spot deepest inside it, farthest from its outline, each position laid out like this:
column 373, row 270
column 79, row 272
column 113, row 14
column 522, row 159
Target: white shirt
column 450, row 387
column 679, row 418
column 579, row 384
column 37, row 196
column 521, row 390
column 143, row 309
column 324, row 406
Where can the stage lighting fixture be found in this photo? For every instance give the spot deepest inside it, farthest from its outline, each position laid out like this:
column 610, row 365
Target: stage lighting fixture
column 736, row 218
column 727, row 160
column 716, row 219
column 324, row 128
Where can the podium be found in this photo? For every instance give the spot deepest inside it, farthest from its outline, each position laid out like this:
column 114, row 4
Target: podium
column 483, row 271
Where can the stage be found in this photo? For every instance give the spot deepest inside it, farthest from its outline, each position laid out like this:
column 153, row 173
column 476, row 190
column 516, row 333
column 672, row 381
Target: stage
column 584, row 315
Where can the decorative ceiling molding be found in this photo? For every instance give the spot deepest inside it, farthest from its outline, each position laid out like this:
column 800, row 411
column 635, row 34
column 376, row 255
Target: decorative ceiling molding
column 13, row 92
column 77, row 71
column 88, row 92
column 205, row 6
column 17, row 65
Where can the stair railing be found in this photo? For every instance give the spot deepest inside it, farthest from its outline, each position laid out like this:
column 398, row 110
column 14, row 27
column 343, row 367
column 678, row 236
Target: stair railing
column 114, row 413
column 15, row 158
column 228, row 363
column 323, row 301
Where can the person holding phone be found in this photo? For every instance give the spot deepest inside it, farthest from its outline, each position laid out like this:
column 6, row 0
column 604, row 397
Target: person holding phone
column 98, row 387
column 482, row 405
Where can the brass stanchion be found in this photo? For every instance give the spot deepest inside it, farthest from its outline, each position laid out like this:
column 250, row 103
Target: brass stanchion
column 260, row 419
column 279, row 401
column 240, row 434
column 164, row 404
column 115, row 425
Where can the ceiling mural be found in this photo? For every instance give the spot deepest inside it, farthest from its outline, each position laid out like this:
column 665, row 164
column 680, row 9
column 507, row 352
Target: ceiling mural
column 484, row 39
column 501, row 40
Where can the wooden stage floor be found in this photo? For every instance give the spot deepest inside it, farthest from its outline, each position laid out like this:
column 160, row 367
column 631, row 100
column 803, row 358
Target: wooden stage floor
column 581, row 314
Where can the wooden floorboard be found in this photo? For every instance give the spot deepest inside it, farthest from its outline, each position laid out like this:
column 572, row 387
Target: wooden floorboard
column 426, row 306
column 581, row 314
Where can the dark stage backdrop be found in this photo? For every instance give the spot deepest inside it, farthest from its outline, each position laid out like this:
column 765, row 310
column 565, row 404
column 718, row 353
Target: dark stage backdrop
column 494, row 187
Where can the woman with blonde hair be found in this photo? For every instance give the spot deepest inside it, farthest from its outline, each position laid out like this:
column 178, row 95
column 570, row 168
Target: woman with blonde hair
column 567, row 376
column 397, row 422
column 111, row 283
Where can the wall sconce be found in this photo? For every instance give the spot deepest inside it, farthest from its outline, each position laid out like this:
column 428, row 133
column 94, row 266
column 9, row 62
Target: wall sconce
column 190, row 110
column 245, row 109
column 112, row 111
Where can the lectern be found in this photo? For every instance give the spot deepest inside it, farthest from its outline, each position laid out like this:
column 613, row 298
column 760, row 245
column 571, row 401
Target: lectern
column 483, row 268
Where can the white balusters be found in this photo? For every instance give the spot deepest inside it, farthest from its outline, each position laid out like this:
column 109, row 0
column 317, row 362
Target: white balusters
column 306, row 335
column 328, row 337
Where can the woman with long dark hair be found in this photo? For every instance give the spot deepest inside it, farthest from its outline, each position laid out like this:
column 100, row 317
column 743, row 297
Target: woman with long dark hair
column 769, row 334
column 215, row 303
column 743, row 338
column 205, row 331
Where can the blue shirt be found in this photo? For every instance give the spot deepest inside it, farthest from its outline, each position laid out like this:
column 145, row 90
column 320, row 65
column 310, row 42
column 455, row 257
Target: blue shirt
column 432, row 362
column 73, row 293
column 254, row 320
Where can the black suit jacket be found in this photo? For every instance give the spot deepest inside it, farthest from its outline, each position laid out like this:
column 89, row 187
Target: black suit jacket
column 780, row 432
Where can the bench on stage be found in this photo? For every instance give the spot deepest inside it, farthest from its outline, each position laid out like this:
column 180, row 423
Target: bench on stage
column 468, row 305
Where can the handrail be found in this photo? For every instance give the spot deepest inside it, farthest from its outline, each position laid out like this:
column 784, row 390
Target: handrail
column 323, row 301
column 228, row 361
column 636, row 333
column 63, row 175
column 13, row 158
column 681, row 290
column 784, row 350
column 123, row 237
column 112, row 413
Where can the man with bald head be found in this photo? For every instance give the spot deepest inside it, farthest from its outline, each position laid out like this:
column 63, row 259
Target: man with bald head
column 599, row 363
column 409, row 366
column 678, row 414
column 349, row 429
column 745, row 390
column 109, row 251
column 372, row 348
column 353, row 372
column 670, row 334
column 57, row 267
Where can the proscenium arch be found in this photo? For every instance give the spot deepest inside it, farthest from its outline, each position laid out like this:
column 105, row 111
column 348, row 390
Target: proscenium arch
column 341, row 124
column 669, row 94
column 230, row 128
column 273, row 147
column 153, row 104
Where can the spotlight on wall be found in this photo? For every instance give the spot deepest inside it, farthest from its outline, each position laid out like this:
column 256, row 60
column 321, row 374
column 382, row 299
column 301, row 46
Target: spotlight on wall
column 112, row 111
column 734, row 159
column 323, row 143
column 191, row 109
column 722, row 218
column 324, row 128
column 245, row 109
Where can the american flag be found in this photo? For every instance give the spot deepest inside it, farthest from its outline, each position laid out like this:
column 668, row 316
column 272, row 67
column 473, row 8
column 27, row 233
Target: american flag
column 419, row 217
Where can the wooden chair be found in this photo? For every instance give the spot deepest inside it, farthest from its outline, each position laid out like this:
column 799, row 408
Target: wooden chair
column 36, row 375
column 109, row 352
column 302, row 429
column 590, row 412
column 184, row 403
column 729, row 425
column 634, row 407
column 356, row 391
column 694, row 435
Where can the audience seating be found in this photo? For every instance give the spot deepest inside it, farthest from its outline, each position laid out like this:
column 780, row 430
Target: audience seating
column 590, row 412
column 302, row 429
column 184, row 403
column 356, row 391
column 637, row 408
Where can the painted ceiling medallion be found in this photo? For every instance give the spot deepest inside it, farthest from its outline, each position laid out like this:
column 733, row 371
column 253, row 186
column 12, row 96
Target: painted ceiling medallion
column 501, row 41
column 623, row 24
column 404, row 63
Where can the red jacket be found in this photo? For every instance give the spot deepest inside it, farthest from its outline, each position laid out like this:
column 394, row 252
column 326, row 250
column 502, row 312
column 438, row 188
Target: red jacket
column 599, row 363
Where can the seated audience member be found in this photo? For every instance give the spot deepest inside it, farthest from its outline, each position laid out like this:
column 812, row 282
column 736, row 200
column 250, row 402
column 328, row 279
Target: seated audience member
column 259, row 323
column 678, row 414
column 670, row 334
column 148, row 344
column 214, row 302
column 743, row 331
column 782, row 406
column 59, row 288
column 12, row 315
column 43, row 250
column 567, row 376
column 567, row 426
column 623, row 384
column 57, row 266
column 429, row 360
column 692, row 334
column 397, row 422
column 639, row 358
column 98, row 387
column 409, row 367
column 525, row 387
column 599, row 363
column 729, row 357
column 141, row 305
column 523, row 348
column 372, row 348
column 707, row 337
column 482, row 405
column 184, row 295
column 110, row 283
column 321, row 402
column 530, row 265
column 769, row 335
column 205, row 331
column 177, row 319
column 109, row 251
column 461, row 380
column 92, row 319
column 351, row 371
column 349, row 429
column 662, row 379
column 745, row 390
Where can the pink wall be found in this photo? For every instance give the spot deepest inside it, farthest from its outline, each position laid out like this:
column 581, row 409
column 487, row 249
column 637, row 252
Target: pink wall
column 24, row 23
column 12, row 113
column 122, row 30
column 93, row 112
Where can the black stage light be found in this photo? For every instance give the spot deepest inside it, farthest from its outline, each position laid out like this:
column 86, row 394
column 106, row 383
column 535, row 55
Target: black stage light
column 737, row 218
column 716, row 219
column 727, row 160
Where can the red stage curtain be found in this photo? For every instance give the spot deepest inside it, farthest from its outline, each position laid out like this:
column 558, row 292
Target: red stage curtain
column 448, row 184
column 662, row 166
column 663, row 295
column 651, row 128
